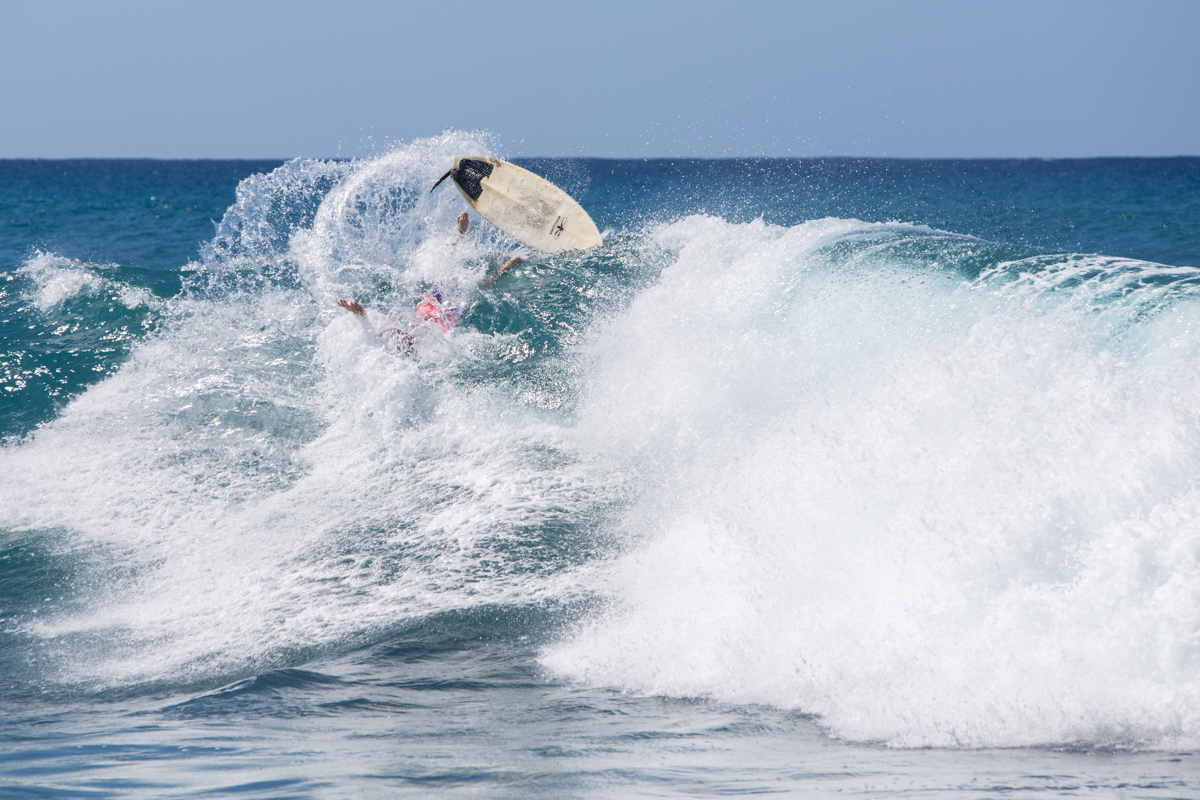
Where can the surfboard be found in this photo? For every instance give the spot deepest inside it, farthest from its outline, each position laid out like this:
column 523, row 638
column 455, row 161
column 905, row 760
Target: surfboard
column 526, row 206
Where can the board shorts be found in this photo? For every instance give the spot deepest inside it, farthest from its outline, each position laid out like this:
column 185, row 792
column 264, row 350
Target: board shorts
column 431, row 309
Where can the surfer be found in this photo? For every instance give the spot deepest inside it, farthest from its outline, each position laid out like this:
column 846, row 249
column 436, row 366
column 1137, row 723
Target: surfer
column 432, row 308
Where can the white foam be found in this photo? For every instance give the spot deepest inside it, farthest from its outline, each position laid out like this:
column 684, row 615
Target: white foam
column 57, row 279
column 933, row 512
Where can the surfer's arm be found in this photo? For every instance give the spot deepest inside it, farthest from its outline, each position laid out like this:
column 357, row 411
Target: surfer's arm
column 463, row 221
column 401, row 340
column 512, row 262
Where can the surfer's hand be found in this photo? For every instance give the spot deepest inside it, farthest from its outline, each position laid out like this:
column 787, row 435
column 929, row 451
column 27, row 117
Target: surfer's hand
column 463, row 221
column 351, row 305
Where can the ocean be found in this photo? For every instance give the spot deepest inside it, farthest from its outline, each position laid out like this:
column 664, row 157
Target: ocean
column 821, row 476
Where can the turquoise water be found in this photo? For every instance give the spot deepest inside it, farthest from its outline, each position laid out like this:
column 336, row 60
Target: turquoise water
column 819, row 476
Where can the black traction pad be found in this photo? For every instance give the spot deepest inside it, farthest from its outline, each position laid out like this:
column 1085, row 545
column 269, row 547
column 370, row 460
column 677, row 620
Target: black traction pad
column 468, row 175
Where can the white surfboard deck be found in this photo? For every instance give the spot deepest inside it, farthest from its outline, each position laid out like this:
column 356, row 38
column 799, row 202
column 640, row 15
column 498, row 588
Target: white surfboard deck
column 527, row 207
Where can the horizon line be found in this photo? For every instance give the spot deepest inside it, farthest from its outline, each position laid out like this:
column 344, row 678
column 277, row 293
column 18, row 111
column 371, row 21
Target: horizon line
column 618, row 158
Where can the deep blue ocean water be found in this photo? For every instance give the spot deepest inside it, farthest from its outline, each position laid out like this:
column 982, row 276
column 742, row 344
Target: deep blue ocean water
column 863, row 477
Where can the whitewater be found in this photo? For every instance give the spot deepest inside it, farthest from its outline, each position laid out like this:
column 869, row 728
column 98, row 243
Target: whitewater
column 744, row 500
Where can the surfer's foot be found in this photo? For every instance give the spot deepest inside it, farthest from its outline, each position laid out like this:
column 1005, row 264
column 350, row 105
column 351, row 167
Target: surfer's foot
column 463, row 221
column 351, row 305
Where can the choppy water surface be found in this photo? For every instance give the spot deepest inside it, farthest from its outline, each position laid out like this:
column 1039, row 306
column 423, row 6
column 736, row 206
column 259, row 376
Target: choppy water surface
column 830, row 476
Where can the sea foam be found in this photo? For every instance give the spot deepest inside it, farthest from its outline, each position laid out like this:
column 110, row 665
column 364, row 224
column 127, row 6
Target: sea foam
column 930, row 508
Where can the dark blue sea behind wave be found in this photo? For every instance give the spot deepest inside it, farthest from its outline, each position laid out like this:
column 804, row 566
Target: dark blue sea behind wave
column 819, row 476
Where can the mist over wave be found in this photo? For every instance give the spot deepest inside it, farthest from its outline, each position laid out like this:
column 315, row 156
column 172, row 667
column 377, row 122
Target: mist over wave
column 896, row 477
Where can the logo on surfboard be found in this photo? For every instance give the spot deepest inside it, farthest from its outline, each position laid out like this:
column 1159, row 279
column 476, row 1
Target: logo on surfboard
column 557, row 228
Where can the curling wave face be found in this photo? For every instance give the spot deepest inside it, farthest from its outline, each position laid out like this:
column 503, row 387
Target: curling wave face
column 935, row 490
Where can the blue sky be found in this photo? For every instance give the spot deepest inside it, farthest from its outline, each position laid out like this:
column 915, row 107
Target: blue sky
column 614, row 79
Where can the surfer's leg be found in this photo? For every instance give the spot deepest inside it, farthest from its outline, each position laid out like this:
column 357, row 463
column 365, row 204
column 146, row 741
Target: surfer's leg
column 512, row 262
column 490, row 280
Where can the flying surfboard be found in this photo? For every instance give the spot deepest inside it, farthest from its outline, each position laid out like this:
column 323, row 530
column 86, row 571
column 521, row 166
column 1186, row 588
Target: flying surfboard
column 527, row 207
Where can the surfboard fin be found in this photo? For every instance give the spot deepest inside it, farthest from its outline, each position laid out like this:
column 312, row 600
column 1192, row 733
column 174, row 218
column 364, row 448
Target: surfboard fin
column 439, row 180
